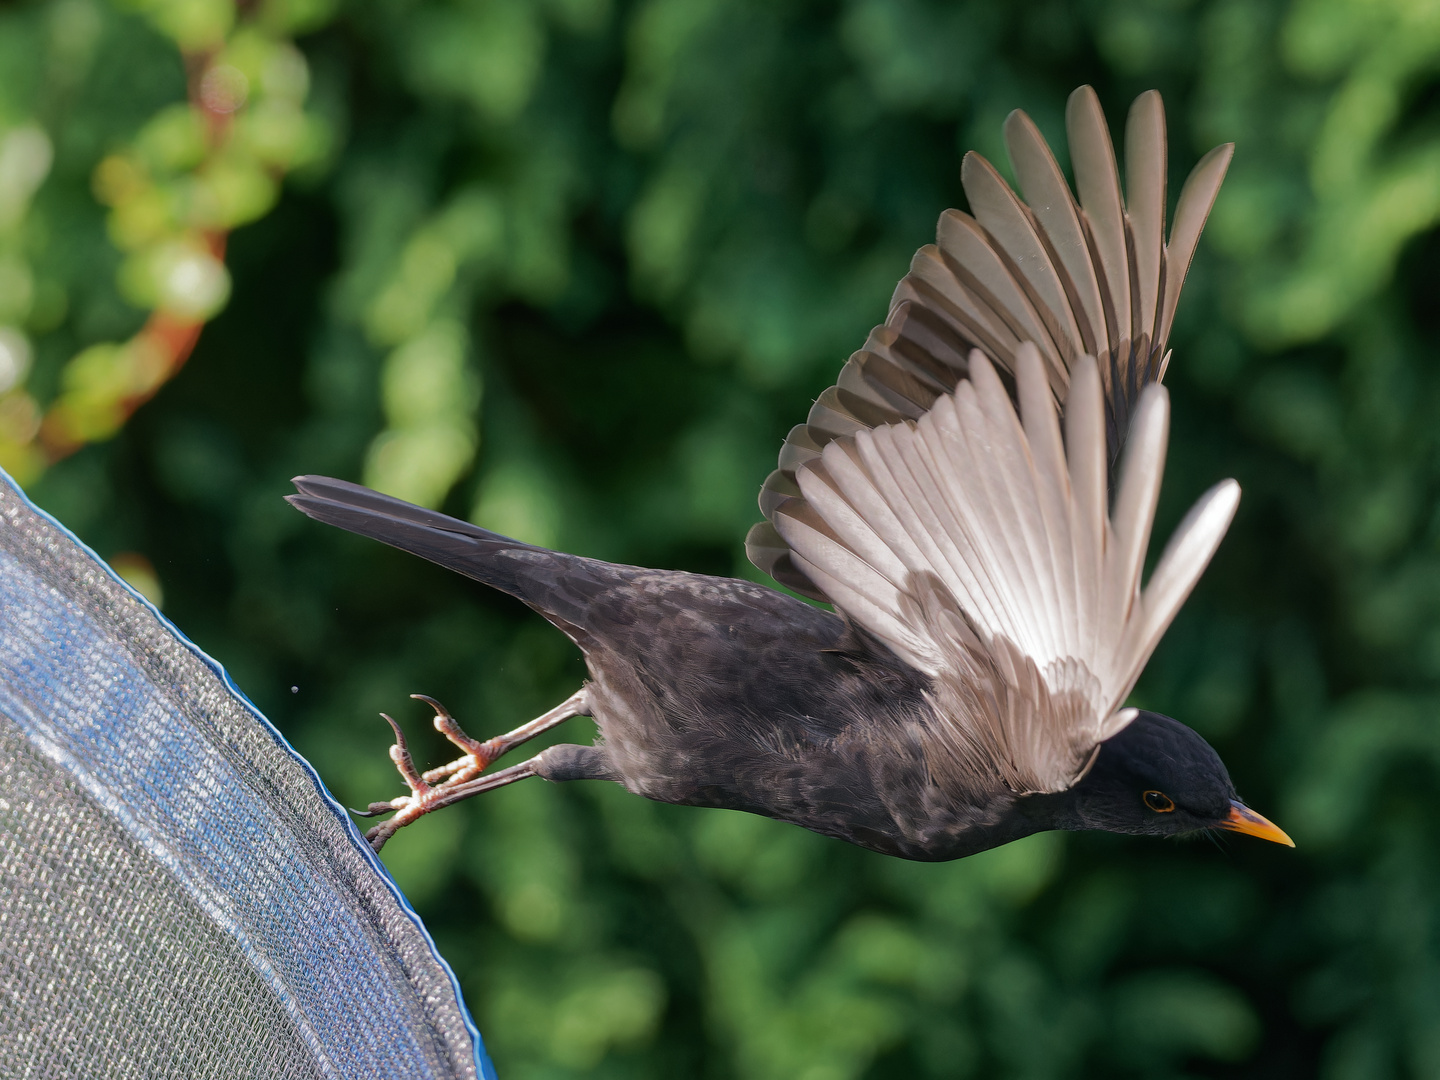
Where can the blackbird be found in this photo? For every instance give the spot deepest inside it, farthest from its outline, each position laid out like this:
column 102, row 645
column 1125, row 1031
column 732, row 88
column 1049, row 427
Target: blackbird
column 974, row 496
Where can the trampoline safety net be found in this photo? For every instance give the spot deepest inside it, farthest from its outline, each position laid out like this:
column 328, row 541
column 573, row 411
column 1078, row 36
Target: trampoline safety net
column 179, row 895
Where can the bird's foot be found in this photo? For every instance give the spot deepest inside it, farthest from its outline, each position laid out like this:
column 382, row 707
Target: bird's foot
column 407, row 807
column 460, row 778
column 477, row 757
column 427, row 789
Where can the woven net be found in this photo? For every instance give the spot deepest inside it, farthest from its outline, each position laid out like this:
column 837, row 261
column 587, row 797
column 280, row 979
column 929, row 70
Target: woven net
column 179, row 896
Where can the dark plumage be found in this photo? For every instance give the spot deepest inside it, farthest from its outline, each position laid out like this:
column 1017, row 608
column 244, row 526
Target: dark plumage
column 717, row 692
column 952, row 497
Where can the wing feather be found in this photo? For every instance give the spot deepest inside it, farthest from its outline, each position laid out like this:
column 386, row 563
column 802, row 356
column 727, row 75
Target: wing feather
column 990, row 548
column 870, row 598
column 1191, row 212
column 1052, row 479
column 1060, row 229
column 1011, row 484
column 1097, row 182
column 1085, row 453
column 1011, row 233
column 1067, row 275
column 1184, row 559
column 1145, row 154
column 884, row 623
column 978, row 268
column 932, row 282
column 1134, row 510
column 981, row 546
column 892, row 464
column 959, row 524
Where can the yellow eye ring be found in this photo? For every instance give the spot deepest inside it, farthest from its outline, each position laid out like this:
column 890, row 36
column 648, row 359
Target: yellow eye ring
column 1158, row 801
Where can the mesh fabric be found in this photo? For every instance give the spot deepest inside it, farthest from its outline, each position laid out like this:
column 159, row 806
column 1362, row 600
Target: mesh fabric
column 179, row 896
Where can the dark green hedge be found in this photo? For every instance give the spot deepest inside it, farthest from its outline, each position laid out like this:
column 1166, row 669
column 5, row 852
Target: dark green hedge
column 573, row 268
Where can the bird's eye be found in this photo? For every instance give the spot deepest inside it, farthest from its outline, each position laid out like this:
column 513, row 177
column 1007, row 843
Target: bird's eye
column 1159, row 802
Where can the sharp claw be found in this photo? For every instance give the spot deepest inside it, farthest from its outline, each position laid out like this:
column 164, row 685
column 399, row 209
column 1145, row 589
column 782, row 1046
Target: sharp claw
column 400, row 755
column 449, row 783
column 446, row 725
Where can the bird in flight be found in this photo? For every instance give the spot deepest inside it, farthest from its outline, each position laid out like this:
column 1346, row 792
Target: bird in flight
column 974, row 497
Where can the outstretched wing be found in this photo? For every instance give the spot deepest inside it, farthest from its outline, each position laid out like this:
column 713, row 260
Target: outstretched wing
column 1083, row 274
column 983, row 549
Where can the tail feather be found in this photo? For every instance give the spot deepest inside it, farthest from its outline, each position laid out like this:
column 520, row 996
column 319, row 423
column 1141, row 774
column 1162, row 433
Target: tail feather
column 322, row 491
column 454, row 544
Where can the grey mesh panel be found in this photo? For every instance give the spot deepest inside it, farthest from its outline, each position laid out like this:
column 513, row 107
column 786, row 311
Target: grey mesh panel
column 179, row 897
column 74, row 1000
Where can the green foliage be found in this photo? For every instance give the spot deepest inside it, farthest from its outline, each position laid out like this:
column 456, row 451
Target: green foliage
column 193, row 171
column 651, row 232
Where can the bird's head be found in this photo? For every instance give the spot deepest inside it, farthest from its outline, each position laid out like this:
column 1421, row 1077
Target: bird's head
column 1159, row 778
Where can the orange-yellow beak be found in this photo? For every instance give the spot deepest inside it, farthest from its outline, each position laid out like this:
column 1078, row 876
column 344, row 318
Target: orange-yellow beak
column 1243, row 819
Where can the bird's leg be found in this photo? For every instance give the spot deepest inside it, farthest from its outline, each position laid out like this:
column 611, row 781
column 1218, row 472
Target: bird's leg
column 441, row 795
column 458, row 779
column 480, row 755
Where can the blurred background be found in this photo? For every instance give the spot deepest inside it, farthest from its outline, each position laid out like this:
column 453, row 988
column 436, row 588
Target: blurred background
column 571, row 269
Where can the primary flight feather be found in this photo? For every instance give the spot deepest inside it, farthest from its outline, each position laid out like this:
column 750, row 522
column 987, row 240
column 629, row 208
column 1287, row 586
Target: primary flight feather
column 974, row 496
